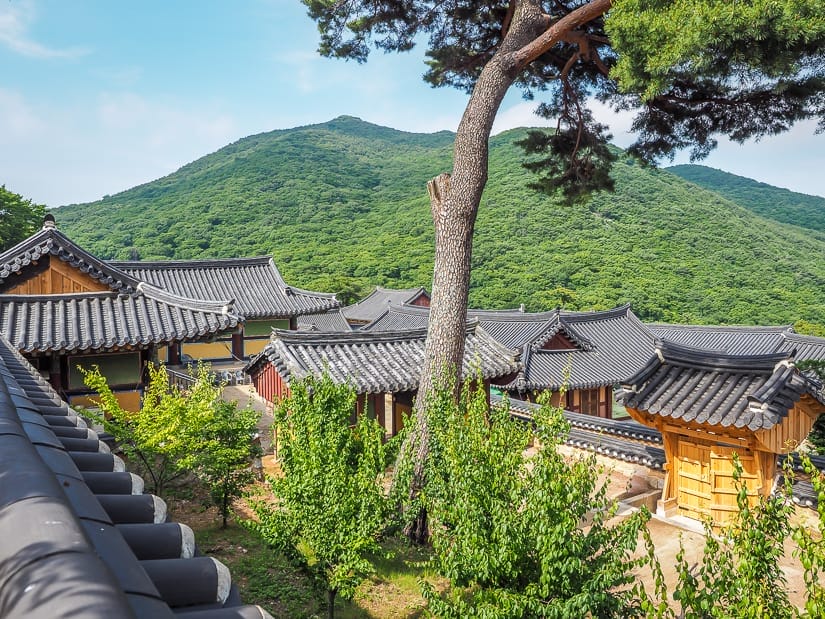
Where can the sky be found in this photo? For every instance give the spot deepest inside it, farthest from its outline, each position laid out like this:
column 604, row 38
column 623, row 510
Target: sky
column 97, row 96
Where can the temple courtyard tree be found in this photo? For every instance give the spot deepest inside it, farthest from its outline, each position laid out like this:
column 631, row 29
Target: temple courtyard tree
column 689, row 70
column 523, row 536
column 182, row 431
column 329, row 502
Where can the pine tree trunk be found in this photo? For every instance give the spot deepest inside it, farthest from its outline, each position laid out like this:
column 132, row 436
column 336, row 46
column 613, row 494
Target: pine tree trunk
column 454, row 202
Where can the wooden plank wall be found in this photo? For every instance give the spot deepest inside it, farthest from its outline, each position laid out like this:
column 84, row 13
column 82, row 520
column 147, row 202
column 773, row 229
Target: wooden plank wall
column 786, row 436
column 58, row 278
column 269, row 384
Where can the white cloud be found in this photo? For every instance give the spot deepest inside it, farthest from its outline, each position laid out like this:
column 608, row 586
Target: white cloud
column 519, row 115
column 303, row 68
column 17, row 118
column 59, row 155
column 15, row 20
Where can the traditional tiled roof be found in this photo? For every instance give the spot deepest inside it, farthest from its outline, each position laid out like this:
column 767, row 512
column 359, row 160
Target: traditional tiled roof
column 376, row 362
column 376, row 303
column 329, row 321
column 610, row 347
column 79, row 537
column 513, row 328
column 742, row 340
column 805, row 346
column 105, row 320
column 255, row 284
column 49, row 241
column 741, row 391
column 732, row 340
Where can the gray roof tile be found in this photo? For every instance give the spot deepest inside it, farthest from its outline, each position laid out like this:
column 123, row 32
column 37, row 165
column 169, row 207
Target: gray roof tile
column 703, row 387
column 255, row 284
column 376, row 303
column 55, row 523
column 329, row 321
column 102, row 320
column 610, row 345
column 49, row 241
column 376, row 362
column 742, row 340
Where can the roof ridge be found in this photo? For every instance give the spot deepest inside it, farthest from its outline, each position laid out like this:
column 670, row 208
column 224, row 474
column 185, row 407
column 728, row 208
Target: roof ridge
column 671, row 353
column 191, row 263
column 621, row 310
column 692, row 327
column 209, row 305
column 288, row 289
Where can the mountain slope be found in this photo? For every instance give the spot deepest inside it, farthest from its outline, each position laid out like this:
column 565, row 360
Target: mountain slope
column 342, row 206
column 766, row 200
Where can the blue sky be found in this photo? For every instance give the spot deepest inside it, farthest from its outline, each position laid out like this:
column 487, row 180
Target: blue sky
column 97, row 96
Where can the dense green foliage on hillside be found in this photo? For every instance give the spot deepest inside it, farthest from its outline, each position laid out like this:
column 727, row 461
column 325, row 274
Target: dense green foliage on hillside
column 342, row 206
column 766, row 200
column 19, row 217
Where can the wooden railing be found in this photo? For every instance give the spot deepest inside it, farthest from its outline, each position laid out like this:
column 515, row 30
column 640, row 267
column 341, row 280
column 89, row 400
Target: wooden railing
column 181, row 380
column 184, row 380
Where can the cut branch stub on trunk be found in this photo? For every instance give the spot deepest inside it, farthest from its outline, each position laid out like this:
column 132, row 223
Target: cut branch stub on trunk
column 438, row 188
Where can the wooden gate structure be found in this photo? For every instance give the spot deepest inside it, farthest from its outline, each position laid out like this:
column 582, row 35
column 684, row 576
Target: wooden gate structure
column 709, row 407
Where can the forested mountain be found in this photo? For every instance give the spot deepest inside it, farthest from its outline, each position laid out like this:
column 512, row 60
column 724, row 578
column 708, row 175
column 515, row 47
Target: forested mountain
column 343, row 207
column 771, row 202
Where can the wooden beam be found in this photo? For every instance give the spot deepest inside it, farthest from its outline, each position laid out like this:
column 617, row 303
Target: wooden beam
column 727, row 439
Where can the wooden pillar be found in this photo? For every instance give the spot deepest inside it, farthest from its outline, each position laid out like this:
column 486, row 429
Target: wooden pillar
column 389, row 414
column 766, row 471
column 174, row 353
column 669, row 501
column 237, row 346
column 56, row 372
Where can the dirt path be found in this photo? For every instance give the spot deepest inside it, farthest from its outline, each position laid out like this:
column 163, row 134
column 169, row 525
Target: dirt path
column 245, row 395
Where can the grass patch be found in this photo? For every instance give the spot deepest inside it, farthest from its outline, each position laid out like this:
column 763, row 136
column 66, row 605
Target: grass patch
column 270, row 579
column 264, row 576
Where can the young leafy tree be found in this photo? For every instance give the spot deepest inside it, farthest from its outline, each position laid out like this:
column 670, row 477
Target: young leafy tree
column 181, row 431
column 740, row 575
column 810, row 547
column 221, row 451
column 330, row 504
column 151, row 438
column 18, row 218
column 522, row 537
column 690, row 70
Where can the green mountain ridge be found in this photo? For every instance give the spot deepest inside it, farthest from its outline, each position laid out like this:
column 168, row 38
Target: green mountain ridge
column 342, row 206
column 776, row 203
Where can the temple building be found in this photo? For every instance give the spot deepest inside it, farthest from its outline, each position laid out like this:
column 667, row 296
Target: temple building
column 379, row 300
column 709, row 406
column 583, row 354
column 383, row 367
column 259, row 294
column 65, row 309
